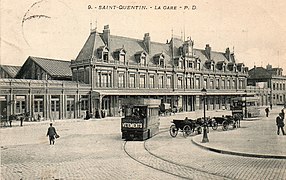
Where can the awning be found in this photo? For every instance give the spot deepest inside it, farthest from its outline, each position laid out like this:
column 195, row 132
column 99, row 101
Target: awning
column 145, row 92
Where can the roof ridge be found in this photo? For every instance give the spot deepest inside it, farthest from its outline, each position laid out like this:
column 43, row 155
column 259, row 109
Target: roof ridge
column 49, row 59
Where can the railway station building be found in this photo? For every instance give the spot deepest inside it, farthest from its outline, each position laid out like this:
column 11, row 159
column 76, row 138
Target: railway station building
column 110, row 68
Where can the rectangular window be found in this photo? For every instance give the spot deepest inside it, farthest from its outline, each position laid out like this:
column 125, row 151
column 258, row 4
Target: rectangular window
column 132, row 81
column 36, row 106
column 84, row 102
column 205, row 83
column 190, row 64
column 151, row 82
column 188, row 83
column 121, row 80
column 104, row 80
column 161, row 82
column 217, row 84
column 198, row 84
column 168, row 85
column 180, row 83
column 212, row 84
column 142, row 81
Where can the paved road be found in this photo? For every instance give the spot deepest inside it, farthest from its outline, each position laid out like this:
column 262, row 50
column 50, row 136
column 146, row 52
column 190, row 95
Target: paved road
column 94, row 150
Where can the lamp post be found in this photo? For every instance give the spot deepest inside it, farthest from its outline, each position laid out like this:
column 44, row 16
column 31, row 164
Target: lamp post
column 245, row 104
column 205, row 134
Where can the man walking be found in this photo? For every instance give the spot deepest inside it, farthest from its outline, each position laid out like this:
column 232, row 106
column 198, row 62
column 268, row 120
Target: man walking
column 267, row 111
column 280, row 124
column 51, row 133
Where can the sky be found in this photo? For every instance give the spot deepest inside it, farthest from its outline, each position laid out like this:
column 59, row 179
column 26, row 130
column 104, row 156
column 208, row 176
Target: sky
column 255, row 30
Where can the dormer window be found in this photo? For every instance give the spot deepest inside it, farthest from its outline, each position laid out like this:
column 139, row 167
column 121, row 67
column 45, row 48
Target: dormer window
column 103, row 53
column 141, row 58
column 209, row 64
column 159, row 59
column 120, row 55
column 230, row 66
column 221, row 65
column 240, row 67
column 179, row 62
column 198, row 64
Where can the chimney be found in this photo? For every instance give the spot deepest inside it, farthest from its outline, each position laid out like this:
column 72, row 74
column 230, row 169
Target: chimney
column 227, row 54
column 208, row 51
column 269, row 67
column 106, row 35
column 147, row 42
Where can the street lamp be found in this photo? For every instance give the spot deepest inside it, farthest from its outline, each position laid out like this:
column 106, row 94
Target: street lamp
column 245, row 104
column 205, row 134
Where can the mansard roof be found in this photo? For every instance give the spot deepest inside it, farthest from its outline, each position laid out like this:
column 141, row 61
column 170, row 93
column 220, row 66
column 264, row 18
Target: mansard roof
column 88, row 50
column 133, row 46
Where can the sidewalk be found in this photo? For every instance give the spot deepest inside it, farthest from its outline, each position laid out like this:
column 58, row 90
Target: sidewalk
column 255, row 138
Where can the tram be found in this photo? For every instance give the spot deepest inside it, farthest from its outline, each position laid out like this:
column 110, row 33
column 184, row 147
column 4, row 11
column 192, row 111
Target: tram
column 245, row 106
column 141, row 118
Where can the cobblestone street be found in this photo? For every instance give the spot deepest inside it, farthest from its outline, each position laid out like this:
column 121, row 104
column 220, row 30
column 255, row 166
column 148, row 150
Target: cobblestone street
column 94, row 150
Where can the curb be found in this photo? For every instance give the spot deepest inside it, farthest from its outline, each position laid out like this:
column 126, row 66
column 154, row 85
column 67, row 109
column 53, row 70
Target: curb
column 238, row 153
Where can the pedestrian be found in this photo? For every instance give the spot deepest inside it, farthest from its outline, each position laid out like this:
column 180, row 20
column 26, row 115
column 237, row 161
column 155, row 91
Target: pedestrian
column 51, row 133
column 39, row 117
column 280, row 124
column 271, row 106
column 10, row 121
column 21, row 120
column 267, row 111
column 87, row 115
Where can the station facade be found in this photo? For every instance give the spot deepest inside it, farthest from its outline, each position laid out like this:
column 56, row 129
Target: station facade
column 110, row 68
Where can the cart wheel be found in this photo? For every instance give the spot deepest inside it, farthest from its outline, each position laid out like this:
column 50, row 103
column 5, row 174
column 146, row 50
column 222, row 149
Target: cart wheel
column 187, row 131
column 214, row 125
column 224, row 125
column 173, row 131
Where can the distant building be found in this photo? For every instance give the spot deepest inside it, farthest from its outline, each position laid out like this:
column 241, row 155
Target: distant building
column 45, row 69
column 272, row 78
column 7, row 71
